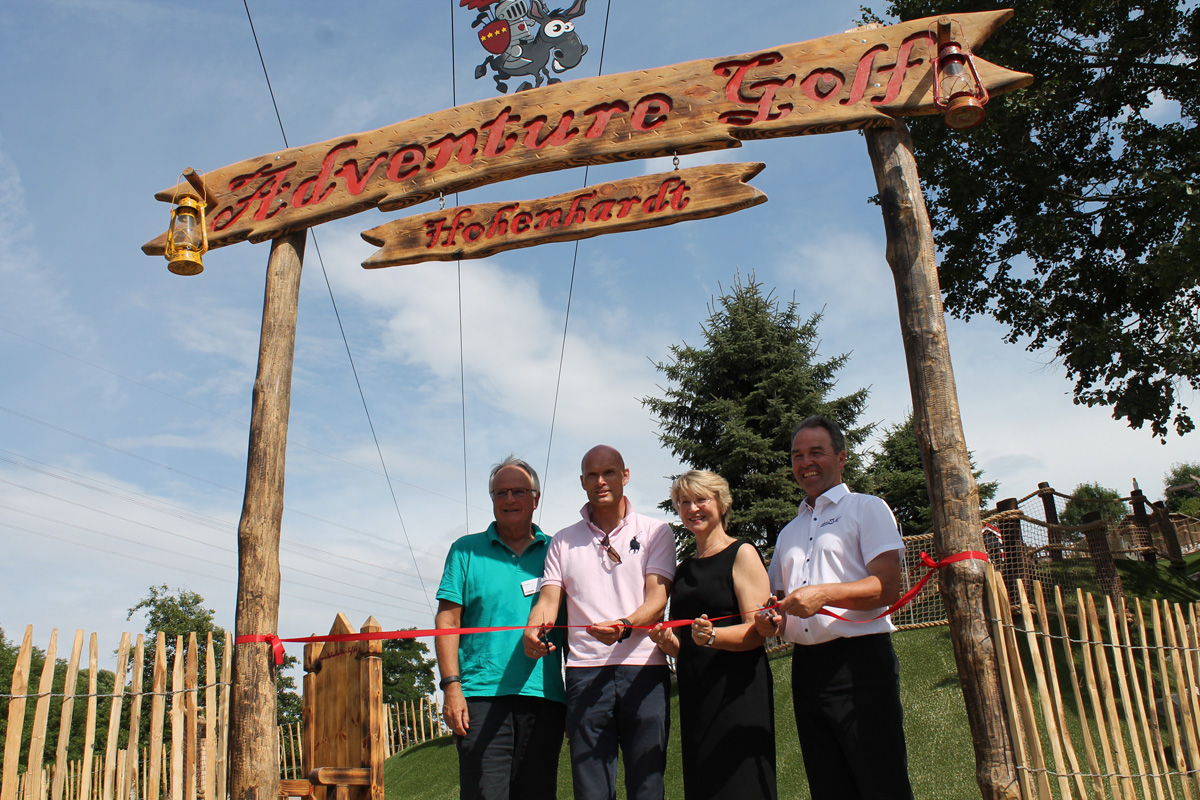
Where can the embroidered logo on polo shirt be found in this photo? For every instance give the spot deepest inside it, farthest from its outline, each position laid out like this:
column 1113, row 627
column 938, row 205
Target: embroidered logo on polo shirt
column 634, row 544
column 831, row 521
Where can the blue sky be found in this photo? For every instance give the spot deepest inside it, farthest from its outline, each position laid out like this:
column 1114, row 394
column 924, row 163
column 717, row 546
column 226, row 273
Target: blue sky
column 126, row 392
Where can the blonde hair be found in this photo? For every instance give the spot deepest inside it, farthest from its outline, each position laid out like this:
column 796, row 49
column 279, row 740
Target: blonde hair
column 698, row 483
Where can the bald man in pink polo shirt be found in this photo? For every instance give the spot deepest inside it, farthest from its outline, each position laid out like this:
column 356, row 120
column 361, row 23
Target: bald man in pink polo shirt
column 614, row 569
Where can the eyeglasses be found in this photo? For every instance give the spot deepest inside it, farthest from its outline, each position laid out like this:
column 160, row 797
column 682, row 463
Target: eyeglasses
column 696, row 503
column 518, row 494
column 612, row 553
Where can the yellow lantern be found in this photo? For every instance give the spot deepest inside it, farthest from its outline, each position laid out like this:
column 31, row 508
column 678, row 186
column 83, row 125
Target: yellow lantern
column 956, row 84
column 187, row 236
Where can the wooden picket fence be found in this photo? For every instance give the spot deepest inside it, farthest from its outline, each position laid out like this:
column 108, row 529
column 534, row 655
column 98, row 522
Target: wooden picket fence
column 407, row 724
column 1136, row 662
column 186, row 752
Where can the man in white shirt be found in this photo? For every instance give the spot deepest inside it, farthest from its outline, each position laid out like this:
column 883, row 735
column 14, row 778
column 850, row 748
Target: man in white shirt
column 842, row 553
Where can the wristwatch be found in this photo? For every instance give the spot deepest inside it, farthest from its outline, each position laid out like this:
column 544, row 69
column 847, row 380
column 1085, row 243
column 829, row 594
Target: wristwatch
column 446, row 681
column 626, row 631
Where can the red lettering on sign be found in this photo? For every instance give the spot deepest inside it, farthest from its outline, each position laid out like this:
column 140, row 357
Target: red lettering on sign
column 499, row 224
column 603, row 113
column 903, row 62
column 456, row 226
column 562, row 134
column 355, row 182
column 821, row 84
column 736, row 70
column 497, row 143
column 660, row 201
column 405, row 162
column 433, row 229
column 625, row 204
column 551, row 218
column 473, row 231
column 651, row 111
column 307, row 193
column 575, row 216
column 601, row 211
column 862, row 74
column 521, row 222
column 272, row 185
column 463, row 142
column 678, row 201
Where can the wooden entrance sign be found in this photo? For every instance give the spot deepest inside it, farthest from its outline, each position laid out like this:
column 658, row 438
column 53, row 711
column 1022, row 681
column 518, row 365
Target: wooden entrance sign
column 651, row 201
column 862, row 79
column 853, row 80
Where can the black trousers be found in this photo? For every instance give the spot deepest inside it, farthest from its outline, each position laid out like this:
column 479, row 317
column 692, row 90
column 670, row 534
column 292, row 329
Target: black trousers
column 511, row 748
column 846, row 695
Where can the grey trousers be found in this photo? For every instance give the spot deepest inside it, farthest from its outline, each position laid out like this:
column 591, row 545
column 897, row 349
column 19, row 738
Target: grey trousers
column 618, row 706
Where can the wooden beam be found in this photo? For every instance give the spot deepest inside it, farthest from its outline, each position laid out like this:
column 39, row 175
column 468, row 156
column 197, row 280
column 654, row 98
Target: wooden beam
column 848, row 81
column 484, row 229
column 254, row 748
column 952, row 490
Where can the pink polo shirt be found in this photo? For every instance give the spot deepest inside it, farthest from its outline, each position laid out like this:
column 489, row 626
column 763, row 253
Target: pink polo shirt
column 598, row 590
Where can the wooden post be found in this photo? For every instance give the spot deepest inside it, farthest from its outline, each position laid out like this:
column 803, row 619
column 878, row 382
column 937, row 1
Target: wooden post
column 1016, row 564
column 938, row 426
column 1162, row 518
column 1053, row 534
column 1141, row 531
column 1097, row 541
column 254, row 751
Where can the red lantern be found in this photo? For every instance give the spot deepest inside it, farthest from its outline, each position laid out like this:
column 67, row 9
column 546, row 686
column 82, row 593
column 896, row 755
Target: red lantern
column 956, row 84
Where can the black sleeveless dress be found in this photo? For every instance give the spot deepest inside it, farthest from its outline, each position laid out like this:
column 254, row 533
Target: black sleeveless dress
column 726, row 699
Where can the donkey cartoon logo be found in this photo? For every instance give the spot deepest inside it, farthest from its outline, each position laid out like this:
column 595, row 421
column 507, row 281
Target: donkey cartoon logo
column 524, row 38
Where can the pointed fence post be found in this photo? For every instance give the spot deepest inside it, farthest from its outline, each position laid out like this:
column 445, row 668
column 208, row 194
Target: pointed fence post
column 254, row 735
column 936, row 420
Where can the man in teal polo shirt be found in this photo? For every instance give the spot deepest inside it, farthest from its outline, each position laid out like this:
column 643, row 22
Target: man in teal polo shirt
column 506, row 710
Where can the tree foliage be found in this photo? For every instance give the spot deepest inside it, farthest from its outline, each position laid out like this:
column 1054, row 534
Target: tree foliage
column 1071, row 214
column 897, row 474
column 1089, row 497
column 407, row 670
column 732, row 404
column 1185, row 502
column 179, row 612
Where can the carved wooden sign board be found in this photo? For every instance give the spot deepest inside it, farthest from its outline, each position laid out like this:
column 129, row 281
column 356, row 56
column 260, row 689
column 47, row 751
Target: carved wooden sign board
column 849, row 81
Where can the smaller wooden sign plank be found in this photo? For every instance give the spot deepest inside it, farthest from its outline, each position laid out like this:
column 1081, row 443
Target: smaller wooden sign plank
column 484, row 229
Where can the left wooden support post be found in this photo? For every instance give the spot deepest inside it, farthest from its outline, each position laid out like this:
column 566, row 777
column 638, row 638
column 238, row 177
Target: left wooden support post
column 253, row 737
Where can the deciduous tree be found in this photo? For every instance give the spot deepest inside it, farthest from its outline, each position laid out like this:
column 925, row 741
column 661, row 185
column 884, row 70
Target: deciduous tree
column 1185, row 501
column 897, row 475
column 180, row 612
column 407, row 670
column 1093, row 497
column 1072, row 214
column 732, row 404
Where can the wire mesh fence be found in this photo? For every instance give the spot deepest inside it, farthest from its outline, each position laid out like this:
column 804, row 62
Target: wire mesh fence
column 1058, row 540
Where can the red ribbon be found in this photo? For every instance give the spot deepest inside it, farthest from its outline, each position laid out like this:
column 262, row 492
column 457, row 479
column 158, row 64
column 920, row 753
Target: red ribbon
column 907, row 597
column 277, row 643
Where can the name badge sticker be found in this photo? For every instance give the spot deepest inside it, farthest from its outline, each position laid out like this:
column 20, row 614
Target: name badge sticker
column 530, row 586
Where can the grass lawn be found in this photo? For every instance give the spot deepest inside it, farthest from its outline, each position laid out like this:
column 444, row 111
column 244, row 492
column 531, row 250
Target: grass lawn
column 941, row 760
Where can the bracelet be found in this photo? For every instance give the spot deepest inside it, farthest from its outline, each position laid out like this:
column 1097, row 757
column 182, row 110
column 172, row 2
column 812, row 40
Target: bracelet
column 449, row 679
column 712, row 637
column 626, row 631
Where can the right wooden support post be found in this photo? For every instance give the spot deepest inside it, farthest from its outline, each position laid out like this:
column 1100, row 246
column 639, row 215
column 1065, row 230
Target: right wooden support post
column 952, row 490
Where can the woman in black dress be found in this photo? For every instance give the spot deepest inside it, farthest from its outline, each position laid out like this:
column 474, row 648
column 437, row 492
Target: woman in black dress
column 726, row 698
